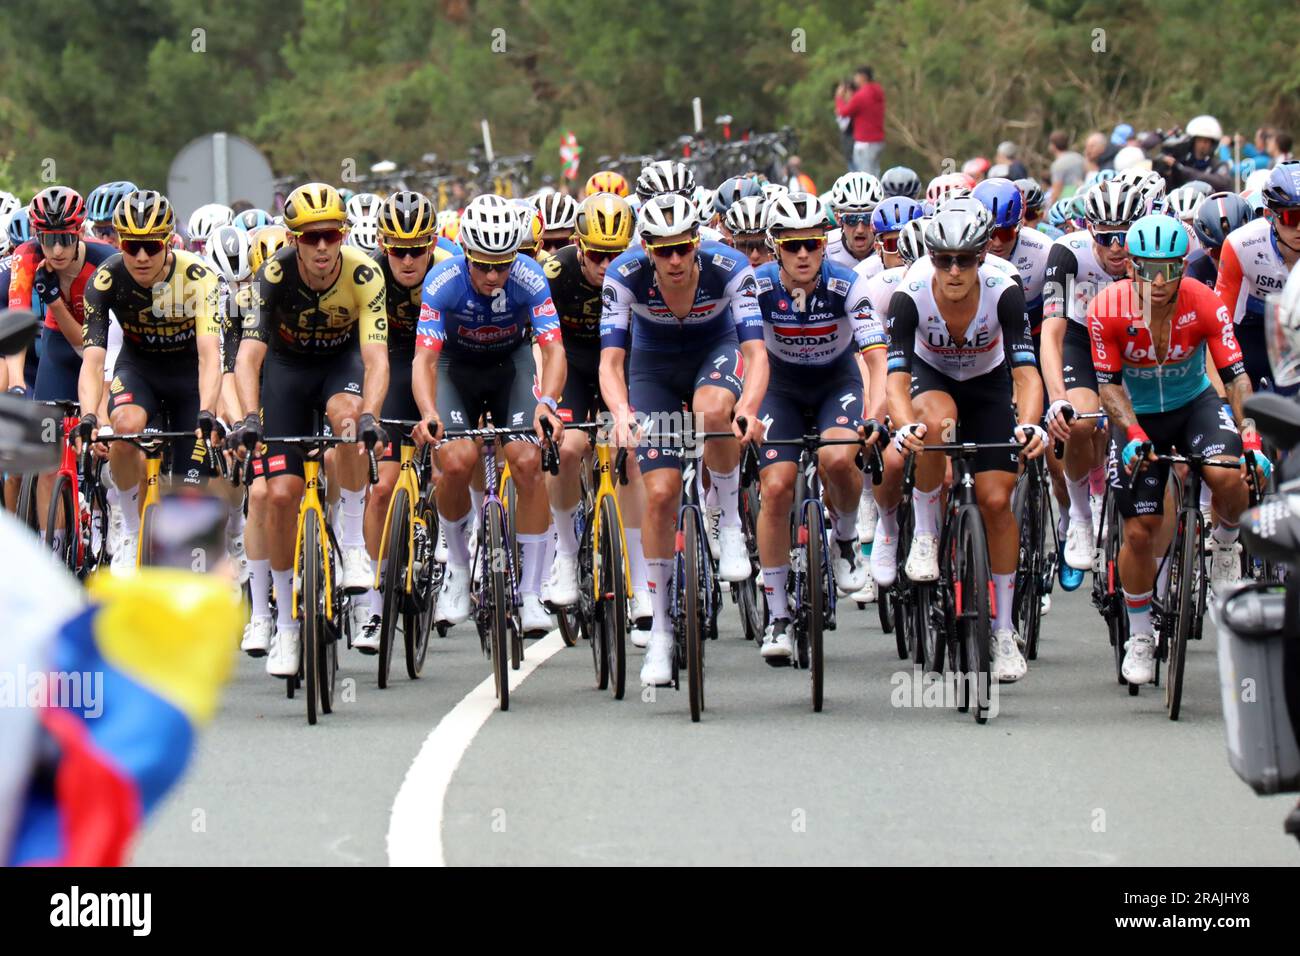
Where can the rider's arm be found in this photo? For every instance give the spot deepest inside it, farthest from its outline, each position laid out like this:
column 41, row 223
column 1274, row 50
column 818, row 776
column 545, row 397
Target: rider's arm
column 1058, row 282
column 372, row 326
column 745, row 311
column 872, row 342
column 90, row 383
column 902, row 347
column 1019, row 350
column 430, row 334
column 615, row 340
column 1225, row 352
column 253, row 343
column 1228, row 285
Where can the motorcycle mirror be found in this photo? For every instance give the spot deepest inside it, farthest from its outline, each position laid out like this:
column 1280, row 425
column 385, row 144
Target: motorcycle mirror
column 1276, row 417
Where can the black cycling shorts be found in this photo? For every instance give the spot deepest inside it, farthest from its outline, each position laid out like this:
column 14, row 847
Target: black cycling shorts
column 831, row 397
column 295, row 391
column 1203, row 426
column 1076, row 358
column 168, row 391
column 581, row 397
column 399, row 403
column 504, row 387
column 984, row 412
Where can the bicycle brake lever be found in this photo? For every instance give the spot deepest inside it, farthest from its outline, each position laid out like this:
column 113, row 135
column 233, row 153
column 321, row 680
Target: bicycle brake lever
column 373, row 462
column 620, row 465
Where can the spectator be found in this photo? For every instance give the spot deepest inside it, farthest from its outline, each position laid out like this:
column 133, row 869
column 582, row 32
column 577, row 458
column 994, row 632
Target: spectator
column 797, row 181
column 866, row 109
column 1280, row 145
column 1007, row 153
column 1195, row 156
column 845, row 124
column 1094, row 147
column 1120, row 137
column 977, row 169
column 1067, row 166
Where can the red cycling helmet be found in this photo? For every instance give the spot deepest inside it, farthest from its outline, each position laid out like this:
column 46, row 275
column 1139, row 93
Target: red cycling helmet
column 57, row 209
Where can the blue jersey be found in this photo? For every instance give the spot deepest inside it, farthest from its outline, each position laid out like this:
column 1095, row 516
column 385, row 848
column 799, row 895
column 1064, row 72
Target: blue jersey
column 446, row 245
column 454, row 316
column 819, row 331
column 1201, row 267
column 634, row 315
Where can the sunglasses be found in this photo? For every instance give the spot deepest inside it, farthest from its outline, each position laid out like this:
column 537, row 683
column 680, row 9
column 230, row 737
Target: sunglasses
column 103, row 230
column 150, row 247
column 943, row 262
column 750, row 245
column 1006, row 233
column 1148, row 269
column 807, row 244
column 489, row 267
column 550, row 245
column 1287, row 215
column 408, row 252
column 856, row 219
column 54, row 239
column 1109, row 236
column 888, row 243
column 316, row 236
column 666, row 250
column 597, row 256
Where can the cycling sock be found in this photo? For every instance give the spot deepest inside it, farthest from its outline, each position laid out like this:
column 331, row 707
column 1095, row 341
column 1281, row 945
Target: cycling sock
column 259, row 582
column 846, row 525
column 532, row 555
column 660, row 582
column 887, row 522
column 868, row 492
column 283, row 596
column 635, row 557
column 1206, row 494
column 708, row 493
column 727, row 487
column 1162, row 578
column 1139, row 612
column 111, row 494
column 1063, row 523
column 457, row 546
column 1097, row 480
column 475, row 502
column 235, row 523
column 1004, row 588
column 110, row 487
column 566, row 543
column 375, row 601
column 774, row 581
column 1225, row 532
column 131, row 510
column 1080, row 504
column 925, row 509
column 352, row 516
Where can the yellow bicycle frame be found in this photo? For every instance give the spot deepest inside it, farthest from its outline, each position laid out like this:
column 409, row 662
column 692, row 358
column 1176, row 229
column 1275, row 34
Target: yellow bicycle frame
column 152, row 494
column 605, row 489
column 311, row 510
column 406, row 480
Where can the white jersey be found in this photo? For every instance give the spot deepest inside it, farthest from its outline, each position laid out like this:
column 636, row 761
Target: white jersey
column 881, row 288
column 1029, row 256
column 1073, row 277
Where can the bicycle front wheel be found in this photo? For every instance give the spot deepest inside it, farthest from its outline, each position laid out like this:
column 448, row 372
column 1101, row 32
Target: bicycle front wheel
column 311, row 614
column 498, row 595
column 613, row 599
column 395, row 562
column 970, row 580
column 814, row 598
column 61, row 524
column 1184, row 583
column 418, row 621
column 689, row 588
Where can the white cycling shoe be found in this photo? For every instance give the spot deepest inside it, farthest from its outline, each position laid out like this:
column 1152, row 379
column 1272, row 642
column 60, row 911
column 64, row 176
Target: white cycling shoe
column 657, row 669
column 884, row 560
column 642, row 610
column 778, row 645
column 453, row 600
column 563, row 590
column 867, row 514
column 533, row 617
column 367, row 639
column 1047, row 604
column 1225, row 567
column 124, row 557
column 1139, row 666
column 733, row 561
column 1007, row 665
column 358, row 573
column 867, row 593
column 286, row 646
column 849, row 567
column 257, row 635
column 923, row 559
column 1079, row 545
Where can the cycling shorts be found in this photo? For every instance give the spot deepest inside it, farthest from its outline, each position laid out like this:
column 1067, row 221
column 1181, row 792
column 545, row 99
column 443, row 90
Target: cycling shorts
column 399, row 403
column 984, row 412
column 831, row 399
column 502, row 386
column 1076, row 358
column 168, row 391
column 59, row 369
column 295, row 391
column 581, row 397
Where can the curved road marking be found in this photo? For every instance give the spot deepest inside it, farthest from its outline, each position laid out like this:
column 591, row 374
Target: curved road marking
column 415, row 824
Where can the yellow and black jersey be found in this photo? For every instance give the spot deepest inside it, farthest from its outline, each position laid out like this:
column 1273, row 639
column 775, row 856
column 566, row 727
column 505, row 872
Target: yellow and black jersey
column 162, row 320
column 576, row 299
column 402, row 303
column 293, row 318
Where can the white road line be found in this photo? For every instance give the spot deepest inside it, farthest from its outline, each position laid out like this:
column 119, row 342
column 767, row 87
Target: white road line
column 415, row 824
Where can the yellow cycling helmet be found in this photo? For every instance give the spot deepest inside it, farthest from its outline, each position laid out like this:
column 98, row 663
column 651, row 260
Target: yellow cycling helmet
column 406, row 216
column 312, row 203
column 607, row 181
column 267, row 241
column 144, row 214
column 449, row 224
column 605, row 221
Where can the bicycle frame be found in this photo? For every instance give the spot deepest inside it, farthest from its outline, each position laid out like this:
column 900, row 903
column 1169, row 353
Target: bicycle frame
column 311, row 509
column 605, row 489
column 406, row 479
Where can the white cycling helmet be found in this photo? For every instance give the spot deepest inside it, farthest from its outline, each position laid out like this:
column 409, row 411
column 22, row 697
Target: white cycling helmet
column 746, row 215
column 228, row 251
column 362, row 206
column 1113, row 203
column 1282, row 330
column 1131, row 157
column 1206, row 126
column 1256, row 180
column 795, row 211
column 1150, row 185
column 667, row 215
column 9, row 204
column 773, row 190
column 5, row 245
column 491, row 225
column 703, row 199
column 857, row 192
column 1184, row 202
column 558, row 211
column 911, row 240
column 363, row 233
column 207, row 218
column 665, row 176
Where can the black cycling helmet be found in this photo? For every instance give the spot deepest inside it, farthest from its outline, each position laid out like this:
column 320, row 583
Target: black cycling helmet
column 1219, row 215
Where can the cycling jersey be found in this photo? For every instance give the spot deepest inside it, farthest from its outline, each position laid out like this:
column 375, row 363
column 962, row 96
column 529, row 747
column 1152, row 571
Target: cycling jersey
column 456, row 319
column 635, row 316
column 1122, row 348
column 30, row 363
column 880, row 289
column 297, row 320
column 997, row 334
column 577, row 300
column 1050, row 231
column 836, row 316
column 402, row 303
column 163, row 320
column 1250, row 268
column 1029, row 256
column 234, row 305
column 1202, row 267
column 25, row 264
column 1073, row 277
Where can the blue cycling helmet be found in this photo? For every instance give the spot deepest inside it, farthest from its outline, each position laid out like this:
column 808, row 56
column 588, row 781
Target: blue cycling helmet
column 251, row 219
column 103, row 200
column 1002, row 198
column 1219, row 215
column 1283, row 186
column 737, row 187
column 1061, row 213
column 895, row 213
column 1157, row 236
column 20, row 228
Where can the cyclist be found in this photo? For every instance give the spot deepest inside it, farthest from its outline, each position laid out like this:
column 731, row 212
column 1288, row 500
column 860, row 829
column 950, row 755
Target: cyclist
column 1149, row 334
column 743, row 229
column 169, row 368
column 203, row 221
column 900, row 181
column 816, row 315
column 99, row 210
column 559, row 215
column 965, row 323
column 315, row 340
column 606, row 181
column 473, row 356
column 854, row 198
column 1026, row 249
column 688, row 314
column 1254, row 263
column 1217, row 217
column 1035, row 204
column 251, row 220
column 1079, row 266
column 729, row 193
column 667, row 176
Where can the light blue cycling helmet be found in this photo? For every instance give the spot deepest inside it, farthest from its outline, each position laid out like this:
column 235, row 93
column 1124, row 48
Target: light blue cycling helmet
column 251, row 220
column 1157, row 236
column 103, row 200
column 1061, row 213
column 20, row 228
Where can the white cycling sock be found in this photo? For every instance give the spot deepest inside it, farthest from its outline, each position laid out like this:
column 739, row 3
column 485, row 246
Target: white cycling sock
column 352, row 516
column 774, row 581
column 375, row 601
column 868, row 490
column 1080, row 503
column 1004, row 588
column 728, row 488
column 887, row 522
column 131, row 510
column 457, row 546
column 532, row 555
column 1225, row 533
column 566, row 543
column 660, row 582
column 475, row 503
column 283, row 596
column 1139, row 612
column 635, row 557
column 259, row 582
column 846, row 524
column 235, row 523
column 925, row 511
column 1206, row 494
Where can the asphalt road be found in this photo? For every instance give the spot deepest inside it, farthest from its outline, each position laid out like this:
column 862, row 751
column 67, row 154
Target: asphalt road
column 1071, row 770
